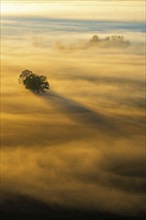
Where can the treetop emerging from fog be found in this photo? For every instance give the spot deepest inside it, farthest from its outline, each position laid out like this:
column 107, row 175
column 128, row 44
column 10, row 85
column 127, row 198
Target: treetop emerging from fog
column 33, row 81
column 116, row 41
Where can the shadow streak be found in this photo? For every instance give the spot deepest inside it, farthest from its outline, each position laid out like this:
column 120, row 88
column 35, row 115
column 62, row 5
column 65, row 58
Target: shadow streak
column 80, row 113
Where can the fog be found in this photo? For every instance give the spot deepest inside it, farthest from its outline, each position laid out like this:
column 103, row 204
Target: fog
column 80, row 145
column 133, row 10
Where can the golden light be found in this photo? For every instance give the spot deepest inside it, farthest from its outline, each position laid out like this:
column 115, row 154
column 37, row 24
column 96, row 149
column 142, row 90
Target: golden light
column 99, row 10
column 9, row 8
column 12, row 8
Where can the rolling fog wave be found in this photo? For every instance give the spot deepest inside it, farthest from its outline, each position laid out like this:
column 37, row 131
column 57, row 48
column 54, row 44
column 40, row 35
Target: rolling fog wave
column 82, row 144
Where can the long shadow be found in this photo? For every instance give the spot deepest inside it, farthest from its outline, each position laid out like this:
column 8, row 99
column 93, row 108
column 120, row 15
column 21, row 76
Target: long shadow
column 80, row 113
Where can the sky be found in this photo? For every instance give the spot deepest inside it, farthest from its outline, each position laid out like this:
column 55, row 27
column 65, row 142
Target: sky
column 103, row 10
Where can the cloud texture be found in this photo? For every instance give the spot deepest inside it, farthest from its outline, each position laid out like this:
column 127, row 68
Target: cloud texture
column 82, row 144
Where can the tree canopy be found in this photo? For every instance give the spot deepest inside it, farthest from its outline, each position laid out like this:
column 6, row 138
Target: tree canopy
column 33, row 81
column 115, row 40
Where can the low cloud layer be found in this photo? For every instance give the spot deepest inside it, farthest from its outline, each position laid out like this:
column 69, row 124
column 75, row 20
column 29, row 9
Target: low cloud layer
column 82, row 144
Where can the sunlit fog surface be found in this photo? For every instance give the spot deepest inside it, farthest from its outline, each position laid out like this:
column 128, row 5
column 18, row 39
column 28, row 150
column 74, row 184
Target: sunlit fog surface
column 82, row 144
column 133, row 10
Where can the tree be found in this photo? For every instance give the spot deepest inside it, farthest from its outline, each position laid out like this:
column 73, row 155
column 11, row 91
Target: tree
column 94, row 39
column 34, row 82
column 112, row 41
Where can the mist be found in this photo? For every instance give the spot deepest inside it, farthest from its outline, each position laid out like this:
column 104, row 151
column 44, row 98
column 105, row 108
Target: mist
column 82, row 144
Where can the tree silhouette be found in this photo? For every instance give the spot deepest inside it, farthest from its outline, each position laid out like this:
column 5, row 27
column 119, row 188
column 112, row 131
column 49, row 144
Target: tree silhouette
column 115, row 40
column 34, row 82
